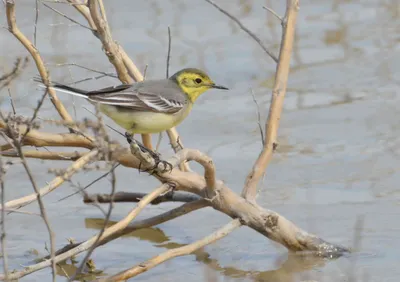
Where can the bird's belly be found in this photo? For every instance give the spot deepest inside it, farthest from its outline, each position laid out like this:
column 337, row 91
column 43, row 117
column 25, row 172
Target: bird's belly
column 144, row 122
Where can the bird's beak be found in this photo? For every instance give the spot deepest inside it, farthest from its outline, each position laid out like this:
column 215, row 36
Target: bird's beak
column 219, row 87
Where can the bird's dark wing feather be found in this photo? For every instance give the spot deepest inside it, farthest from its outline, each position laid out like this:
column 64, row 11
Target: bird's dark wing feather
column 139, row 98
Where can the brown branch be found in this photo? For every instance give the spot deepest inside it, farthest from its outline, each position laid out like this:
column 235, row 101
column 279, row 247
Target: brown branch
column 181, row 251
column 43, row 139
column 56, row 182
column 278, row 95
column 129, row 197
column 13, row 28
column 45, row 155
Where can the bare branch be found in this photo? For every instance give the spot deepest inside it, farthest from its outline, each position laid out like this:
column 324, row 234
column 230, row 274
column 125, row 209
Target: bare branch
column 108, row 232
column 168, row 52
column 275, row 110
column 38, row 197
column 3, row 221
column 185, row 250
column 129, row 197
column 245, row 29
column 56, row 182
column 45, row 155
column 274, row 13
column 65, row 16
column 13, row 28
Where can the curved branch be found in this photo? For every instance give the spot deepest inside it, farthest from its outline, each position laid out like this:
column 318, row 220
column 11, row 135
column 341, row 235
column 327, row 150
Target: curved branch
column 13, row 28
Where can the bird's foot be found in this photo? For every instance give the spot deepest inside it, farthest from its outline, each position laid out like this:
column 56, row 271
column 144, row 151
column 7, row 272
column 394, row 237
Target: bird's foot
column 166, row 166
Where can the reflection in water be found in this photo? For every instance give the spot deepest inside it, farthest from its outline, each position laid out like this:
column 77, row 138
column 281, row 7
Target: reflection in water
column 287, row 266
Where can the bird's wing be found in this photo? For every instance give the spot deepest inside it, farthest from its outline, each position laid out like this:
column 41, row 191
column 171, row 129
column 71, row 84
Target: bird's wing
column 140, row 97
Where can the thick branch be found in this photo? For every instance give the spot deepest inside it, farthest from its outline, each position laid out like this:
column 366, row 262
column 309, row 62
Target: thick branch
column 13, row 28
column 42, row 139
column 185, row 250
column 278, row 95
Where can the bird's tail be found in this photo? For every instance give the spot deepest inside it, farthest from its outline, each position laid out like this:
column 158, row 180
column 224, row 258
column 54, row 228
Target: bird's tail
column 63, row 88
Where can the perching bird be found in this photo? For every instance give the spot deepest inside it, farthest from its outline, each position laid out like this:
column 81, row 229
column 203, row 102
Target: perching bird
column 149, row 106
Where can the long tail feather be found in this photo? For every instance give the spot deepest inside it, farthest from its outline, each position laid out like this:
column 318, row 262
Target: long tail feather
column 63, row 88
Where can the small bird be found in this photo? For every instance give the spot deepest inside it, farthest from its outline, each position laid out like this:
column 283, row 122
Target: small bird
column 150, row 106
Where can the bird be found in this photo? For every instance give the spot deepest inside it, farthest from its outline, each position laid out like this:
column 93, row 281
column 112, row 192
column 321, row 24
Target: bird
column 149, row 106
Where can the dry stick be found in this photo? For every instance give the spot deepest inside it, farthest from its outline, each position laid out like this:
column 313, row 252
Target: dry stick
column 65, row 156
column 108, row 232
column 107, row 219
column 13, row 28
column 42, row 139
column 56, row 182
column 38, row 196
column 185, row 250
column 93, row 182
column 65, row 16
column 3, row 221
column 245, row 29
column 129, row 197
column 275, row 110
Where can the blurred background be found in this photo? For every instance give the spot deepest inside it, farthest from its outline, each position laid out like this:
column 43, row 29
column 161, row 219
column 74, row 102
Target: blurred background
column 339, row 154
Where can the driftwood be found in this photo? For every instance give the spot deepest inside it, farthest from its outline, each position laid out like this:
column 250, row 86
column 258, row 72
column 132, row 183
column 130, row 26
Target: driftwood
column 180, row 185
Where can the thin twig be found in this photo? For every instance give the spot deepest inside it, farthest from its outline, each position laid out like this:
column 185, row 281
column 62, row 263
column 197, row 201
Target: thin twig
column 245, row 29
column 107, row 219
column 274, row 13
column 43, row 212
column 12, row 102
column 65, row 16
column 185, row 250
column 91, row 183
column 258, row 117
column 87, row 68
column 169, row 52
column 108, row 233
column 3, row 222
column 36, row 21
column 56, row 182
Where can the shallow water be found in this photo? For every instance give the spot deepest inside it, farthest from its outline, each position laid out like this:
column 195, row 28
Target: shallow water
column 339, row 153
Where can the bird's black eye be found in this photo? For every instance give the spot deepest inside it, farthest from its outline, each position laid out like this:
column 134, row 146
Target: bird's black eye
column 198, row 80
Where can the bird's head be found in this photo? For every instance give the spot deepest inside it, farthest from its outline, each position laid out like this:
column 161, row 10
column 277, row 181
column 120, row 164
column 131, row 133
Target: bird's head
column 194, row 82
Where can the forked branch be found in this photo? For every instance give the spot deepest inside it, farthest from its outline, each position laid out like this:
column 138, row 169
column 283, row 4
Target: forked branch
column 275, row 109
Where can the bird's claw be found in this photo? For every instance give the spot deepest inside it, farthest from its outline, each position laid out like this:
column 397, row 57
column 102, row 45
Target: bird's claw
column 167, row 167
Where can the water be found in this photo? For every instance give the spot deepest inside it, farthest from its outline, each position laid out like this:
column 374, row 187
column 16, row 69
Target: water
column 339, row 153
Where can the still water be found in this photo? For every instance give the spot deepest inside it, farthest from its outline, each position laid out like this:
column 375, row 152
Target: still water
column 339, row 155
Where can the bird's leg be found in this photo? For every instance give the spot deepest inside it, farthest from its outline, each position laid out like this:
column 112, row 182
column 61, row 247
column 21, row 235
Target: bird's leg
column 154, row 155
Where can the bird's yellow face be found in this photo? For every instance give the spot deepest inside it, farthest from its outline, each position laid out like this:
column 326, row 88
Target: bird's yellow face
column 194, row 82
